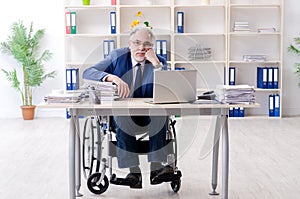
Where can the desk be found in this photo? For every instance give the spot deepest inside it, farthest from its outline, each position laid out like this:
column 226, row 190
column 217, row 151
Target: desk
column 136, row 106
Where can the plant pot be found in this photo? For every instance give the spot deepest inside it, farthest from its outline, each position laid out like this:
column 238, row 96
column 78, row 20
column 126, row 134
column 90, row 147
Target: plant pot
column 28, row 112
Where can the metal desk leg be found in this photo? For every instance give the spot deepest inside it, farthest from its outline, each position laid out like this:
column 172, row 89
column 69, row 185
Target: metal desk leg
column 77, row 158
column 225, row 158
column 72, row 132
column 214, row 180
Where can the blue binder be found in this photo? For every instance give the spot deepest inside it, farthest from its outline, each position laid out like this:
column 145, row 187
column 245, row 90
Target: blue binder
column 259, row 77
column 224, row 75
column 236, row 111
column 108, row 46
column 68, row 79
column 105, row 48
column 180, row 22
column 231, row 111
column 164, row 49
column 231, row 75
column 75, row 78
column 275, row 77
column 113, row 23
column 262, row 77
column 276, row 105
column 68, row 116
column 270, row 77
column 158, row 47
column 271, row 105
column 111, row 45
column 241, row 112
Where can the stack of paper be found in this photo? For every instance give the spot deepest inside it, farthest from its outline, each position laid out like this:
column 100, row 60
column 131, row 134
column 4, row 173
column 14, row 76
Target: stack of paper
column 198, row 52
column 108, row 89
column 235, row 94
column 63, row 97
column 261, row 30
column 241, row 26
column 253, row 58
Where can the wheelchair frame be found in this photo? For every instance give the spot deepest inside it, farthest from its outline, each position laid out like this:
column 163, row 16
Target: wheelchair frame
column 96, row 130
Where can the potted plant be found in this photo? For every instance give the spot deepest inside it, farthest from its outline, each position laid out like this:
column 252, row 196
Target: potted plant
column 24, row 47
column 296, row 50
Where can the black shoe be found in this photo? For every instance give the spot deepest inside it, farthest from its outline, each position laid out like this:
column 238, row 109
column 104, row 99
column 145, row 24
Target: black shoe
column 133, row 180
column 164, row 174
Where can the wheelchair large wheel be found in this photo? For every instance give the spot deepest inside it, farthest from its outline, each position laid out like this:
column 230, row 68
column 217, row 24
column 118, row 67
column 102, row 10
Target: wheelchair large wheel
column 95, row 185
column 91, row 155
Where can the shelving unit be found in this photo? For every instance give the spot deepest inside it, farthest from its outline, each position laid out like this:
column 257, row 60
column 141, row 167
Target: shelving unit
column 259, row 14
column 209, row 26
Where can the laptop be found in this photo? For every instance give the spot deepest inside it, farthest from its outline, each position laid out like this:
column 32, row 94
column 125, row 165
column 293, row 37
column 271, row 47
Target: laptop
column 175, row 86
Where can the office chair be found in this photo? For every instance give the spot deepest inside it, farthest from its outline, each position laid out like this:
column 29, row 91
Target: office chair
column 95, row 165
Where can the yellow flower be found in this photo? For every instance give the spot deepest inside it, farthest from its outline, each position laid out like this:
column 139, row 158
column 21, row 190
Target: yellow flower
column 142, row 21
column 134, row 23
column 139, row 14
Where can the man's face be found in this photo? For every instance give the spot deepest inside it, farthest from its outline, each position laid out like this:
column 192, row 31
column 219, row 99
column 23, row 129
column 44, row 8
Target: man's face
column 139, row 44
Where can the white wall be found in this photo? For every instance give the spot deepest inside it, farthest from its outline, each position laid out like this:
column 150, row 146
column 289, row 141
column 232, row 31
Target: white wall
column 50, row 15
column 291, row 90
column 44, row 14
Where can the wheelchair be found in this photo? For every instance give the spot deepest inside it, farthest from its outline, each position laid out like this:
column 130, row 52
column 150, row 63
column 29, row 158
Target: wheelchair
column 97, row 169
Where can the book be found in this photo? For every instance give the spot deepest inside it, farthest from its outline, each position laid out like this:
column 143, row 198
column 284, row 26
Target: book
column 68, row 22
column 262, row 77
column 180, row 22
column 231, row 75
column 108, row 46
column 113, row 23
column 72, row 78
column 73, row 22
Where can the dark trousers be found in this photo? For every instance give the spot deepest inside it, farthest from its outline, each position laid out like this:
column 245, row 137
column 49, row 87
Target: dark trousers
column 127, row 127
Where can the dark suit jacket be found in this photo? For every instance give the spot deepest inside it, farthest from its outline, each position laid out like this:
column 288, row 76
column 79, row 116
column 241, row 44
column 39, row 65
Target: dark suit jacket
column 118, row 63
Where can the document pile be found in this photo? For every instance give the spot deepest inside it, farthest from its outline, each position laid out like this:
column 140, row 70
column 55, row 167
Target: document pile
column 62, row 97
column 198, row 52
column 241, row 26
column 108, row 90
column 254, row 58
column 262, row 30
column 235, row 94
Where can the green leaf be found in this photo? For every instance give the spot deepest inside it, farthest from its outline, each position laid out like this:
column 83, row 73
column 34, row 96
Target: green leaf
column 23, row 46
column 12, row 77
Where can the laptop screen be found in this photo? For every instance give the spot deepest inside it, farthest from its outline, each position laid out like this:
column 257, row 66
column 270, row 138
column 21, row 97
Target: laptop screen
column 175, row 86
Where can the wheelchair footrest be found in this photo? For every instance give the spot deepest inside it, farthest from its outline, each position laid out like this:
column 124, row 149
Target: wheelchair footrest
column 125, row 182
column 166, row 178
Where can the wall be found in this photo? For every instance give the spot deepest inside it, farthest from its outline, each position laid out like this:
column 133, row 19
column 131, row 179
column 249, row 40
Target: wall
column 44, row 14
column 291, row 90
column 50, row 15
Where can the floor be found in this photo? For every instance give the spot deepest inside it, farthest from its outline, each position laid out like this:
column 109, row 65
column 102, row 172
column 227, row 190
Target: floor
column 264, row 160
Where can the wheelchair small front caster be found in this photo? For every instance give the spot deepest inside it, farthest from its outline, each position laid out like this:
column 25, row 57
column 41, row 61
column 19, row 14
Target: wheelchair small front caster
column 176, row 184
column 95, row 185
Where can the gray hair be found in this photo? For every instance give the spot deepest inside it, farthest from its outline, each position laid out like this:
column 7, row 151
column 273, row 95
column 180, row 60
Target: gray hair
column 143, row 29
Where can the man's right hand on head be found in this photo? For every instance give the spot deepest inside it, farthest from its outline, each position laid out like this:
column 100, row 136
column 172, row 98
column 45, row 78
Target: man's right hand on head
column 123, row 88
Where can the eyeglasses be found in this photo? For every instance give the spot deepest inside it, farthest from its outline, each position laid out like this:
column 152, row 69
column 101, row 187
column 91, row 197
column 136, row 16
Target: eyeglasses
column 146, row 44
